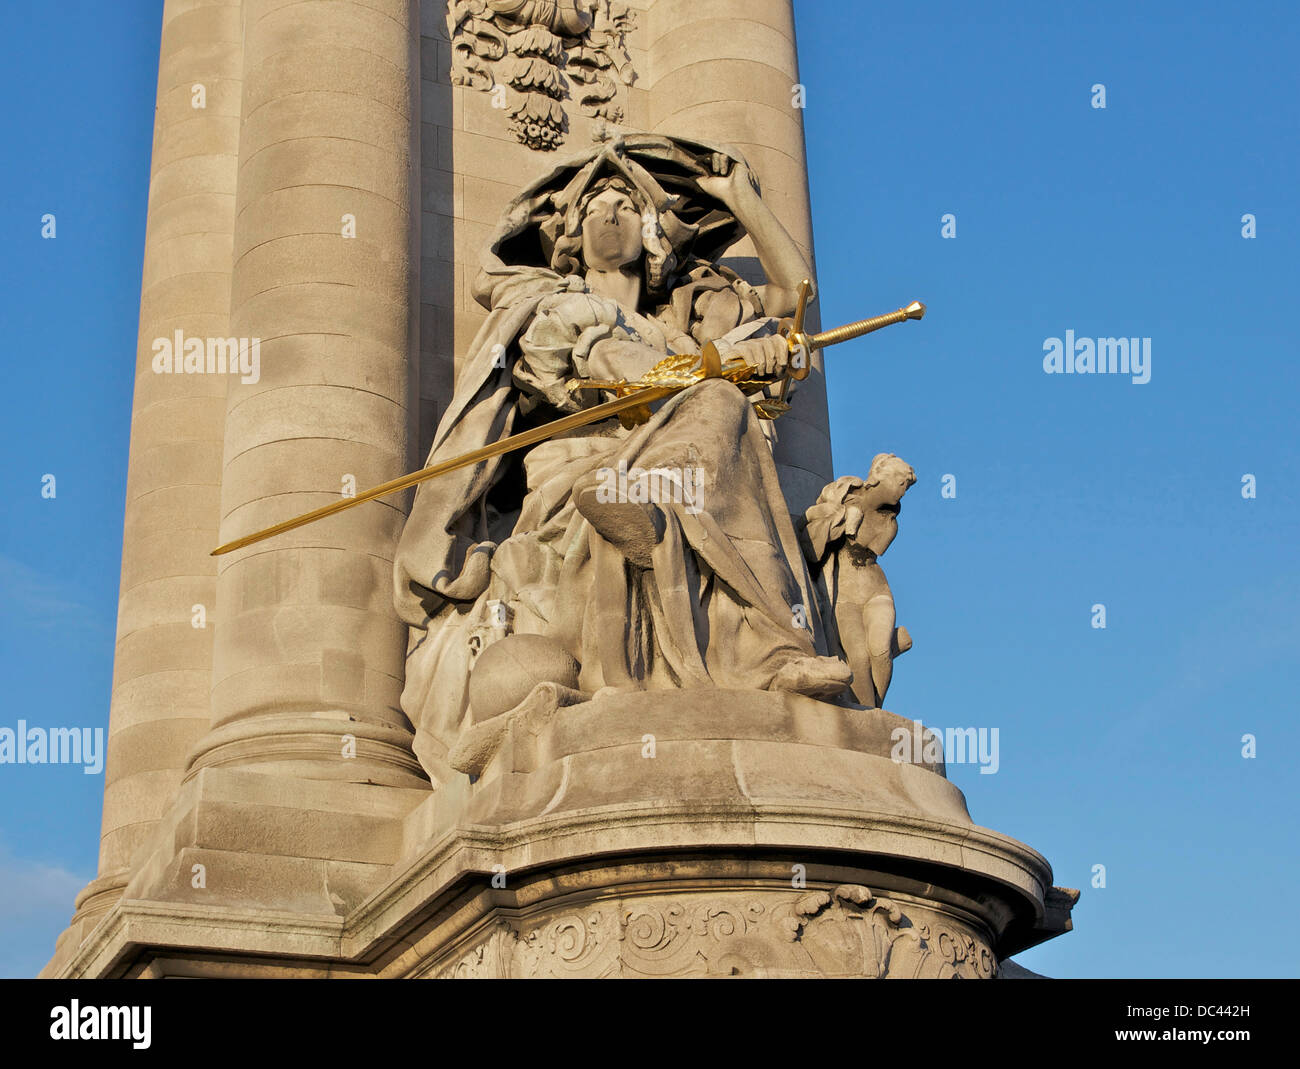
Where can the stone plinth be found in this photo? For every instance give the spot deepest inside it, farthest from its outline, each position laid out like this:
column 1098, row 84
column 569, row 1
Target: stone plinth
column 768, row 835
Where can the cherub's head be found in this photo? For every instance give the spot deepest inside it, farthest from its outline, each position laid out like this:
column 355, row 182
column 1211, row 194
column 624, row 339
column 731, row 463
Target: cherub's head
column 880, row 501
column 865, row 512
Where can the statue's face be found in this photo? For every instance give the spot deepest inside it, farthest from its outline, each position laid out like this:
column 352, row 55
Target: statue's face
column 879, row 506
column 611, row 231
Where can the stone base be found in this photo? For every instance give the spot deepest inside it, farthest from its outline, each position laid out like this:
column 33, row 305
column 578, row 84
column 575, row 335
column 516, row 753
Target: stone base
column 650, row 834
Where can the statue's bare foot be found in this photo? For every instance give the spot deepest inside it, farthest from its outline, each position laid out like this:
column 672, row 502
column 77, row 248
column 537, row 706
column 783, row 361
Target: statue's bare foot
column 632, row 528
column 817, row 677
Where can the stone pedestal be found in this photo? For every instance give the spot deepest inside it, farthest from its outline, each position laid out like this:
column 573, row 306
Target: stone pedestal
column 684, row 833
column 700, row 833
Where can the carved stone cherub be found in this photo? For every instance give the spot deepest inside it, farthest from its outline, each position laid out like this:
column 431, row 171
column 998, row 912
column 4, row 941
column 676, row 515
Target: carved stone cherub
column 851, row 525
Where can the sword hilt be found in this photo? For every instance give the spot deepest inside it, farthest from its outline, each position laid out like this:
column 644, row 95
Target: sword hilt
column 800, row 366
column 915, row 310
column 804, row 344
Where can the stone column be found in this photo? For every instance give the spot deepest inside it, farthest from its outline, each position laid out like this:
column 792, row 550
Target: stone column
column 308, row 657
column 163, row 659
column 726, row 71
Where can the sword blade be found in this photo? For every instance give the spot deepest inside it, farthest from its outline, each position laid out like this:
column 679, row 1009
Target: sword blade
column 474, row 456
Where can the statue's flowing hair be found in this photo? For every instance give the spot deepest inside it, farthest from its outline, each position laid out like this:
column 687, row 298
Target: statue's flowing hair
column 659, row 262
column 884, row 462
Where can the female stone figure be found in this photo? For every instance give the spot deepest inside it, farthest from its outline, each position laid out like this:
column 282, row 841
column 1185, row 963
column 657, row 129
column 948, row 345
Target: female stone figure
column 599, row 271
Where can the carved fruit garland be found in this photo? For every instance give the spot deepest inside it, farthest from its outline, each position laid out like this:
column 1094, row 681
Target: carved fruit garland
column 536, row 54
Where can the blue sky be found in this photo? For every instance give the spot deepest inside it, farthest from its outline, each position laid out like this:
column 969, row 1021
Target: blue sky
column 1119, row 746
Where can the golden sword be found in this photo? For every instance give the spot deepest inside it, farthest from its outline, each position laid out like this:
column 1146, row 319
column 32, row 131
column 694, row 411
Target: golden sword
column 631, row 405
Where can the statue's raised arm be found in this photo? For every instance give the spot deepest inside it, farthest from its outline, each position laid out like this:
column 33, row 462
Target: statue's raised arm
column 782, row 260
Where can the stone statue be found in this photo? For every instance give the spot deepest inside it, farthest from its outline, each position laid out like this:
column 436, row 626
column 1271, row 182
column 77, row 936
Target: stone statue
column 851, row 525
column 624, row 556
